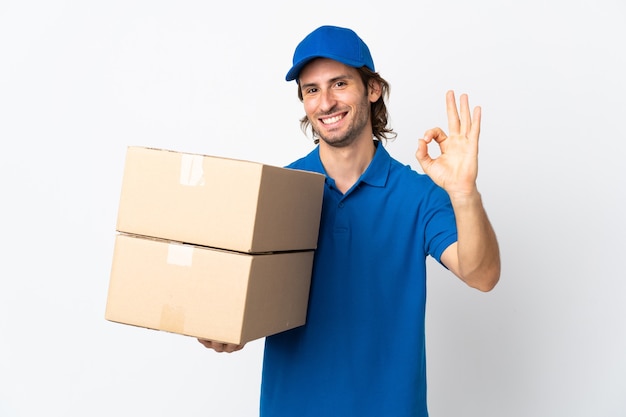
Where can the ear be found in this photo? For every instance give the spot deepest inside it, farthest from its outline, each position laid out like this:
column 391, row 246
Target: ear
column 374, row 90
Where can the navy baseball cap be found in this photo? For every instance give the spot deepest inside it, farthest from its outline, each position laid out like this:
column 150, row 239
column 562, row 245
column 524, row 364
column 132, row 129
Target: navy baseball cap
column 333, row 42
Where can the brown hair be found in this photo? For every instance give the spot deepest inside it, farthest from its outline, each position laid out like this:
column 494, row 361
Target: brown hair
column 378, row 110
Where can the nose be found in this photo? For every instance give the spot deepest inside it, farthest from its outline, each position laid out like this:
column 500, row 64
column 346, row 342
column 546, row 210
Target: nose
column 327, row 100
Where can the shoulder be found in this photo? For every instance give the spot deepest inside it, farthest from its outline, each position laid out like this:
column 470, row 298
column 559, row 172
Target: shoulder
column 409, row 177
column 310, row 162
column 298, row 163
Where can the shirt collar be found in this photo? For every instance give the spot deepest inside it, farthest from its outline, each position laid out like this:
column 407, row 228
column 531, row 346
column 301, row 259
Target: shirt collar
column 376, row 173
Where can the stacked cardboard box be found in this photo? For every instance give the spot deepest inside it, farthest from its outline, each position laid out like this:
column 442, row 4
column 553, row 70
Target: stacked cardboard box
column 211, row 247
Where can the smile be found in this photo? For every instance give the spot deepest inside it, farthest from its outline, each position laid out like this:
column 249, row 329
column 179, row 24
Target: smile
column 331, row 120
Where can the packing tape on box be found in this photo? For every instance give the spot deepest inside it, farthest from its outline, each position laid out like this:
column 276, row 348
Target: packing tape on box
column 181, row 255
column 191, row 170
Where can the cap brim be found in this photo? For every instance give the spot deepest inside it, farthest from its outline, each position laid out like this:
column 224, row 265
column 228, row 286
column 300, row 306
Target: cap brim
column 294, row 72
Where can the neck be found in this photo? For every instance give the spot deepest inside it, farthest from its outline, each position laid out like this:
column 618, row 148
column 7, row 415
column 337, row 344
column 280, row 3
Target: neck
column 346, row 164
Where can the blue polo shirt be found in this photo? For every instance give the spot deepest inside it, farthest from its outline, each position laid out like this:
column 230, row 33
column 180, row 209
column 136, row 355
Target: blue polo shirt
column 362, row 349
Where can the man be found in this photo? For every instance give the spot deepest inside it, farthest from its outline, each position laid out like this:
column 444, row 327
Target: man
column 362, row 349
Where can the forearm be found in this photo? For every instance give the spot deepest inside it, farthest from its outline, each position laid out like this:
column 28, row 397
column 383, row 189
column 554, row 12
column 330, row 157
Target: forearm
column 478, row 254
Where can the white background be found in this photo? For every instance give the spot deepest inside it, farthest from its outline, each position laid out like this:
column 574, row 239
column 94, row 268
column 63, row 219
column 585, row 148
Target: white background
column 82, row 80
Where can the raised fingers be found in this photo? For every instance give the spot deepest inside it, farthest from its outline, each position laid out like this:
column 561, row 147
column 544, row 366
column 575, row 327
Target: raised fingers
column 462, row 122
column 466, row 121
column 454, row 123
column 475, row 130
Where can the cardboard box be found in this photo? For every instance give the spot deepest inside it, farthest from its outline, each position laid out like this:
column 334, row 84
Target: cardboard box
column 219, row 202
column 207, row 293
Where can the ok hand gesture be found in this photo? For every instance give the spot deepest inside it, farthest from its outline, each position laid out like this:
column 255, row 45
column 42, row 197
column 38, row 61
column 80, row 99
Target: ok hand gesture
column 456, row 168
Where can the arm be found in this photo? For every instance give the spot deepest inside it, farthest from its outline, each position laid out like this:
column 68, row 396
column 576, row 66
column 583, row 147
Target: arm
column 475, row 257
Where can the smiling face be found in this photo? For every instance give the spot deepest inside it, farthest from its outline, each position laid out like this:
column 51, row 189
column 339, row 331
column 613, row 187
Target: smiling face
column 336, row 102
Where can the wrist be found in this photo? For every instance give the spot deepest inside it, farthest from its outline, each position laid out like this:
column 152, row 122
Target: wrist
column 465, row 198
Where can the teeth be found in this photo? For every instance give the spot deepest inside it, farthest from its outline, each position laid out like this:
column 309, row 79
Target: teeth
column 331, row 120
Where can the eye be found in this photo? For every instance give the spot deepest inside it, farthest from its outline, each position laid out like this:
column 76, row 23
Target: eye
column 340, row 84
column 310, row 90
